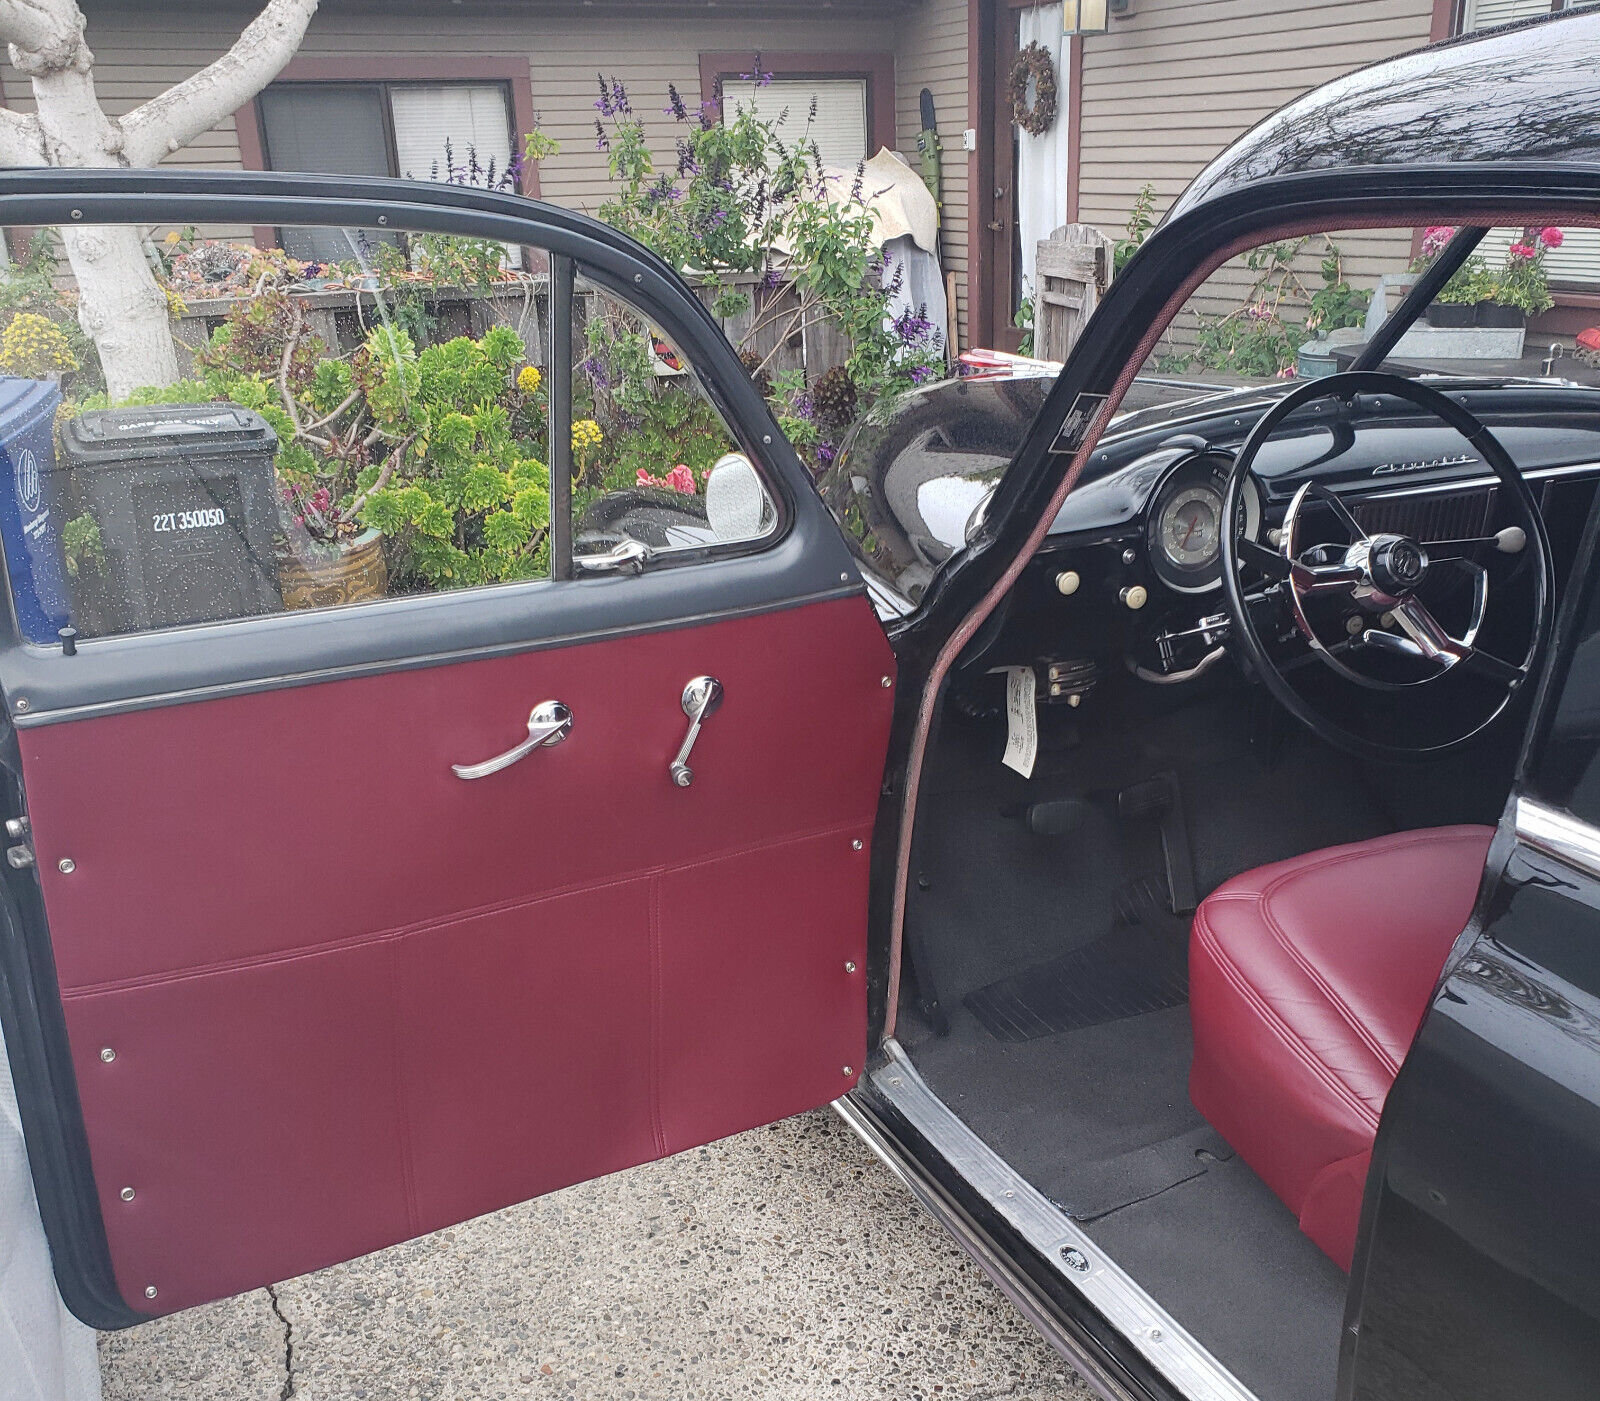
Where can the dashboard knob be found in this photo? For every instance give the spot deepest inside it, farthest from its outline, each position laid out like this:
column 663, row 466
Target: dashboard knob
column 1135, row 596
column 1068, row 582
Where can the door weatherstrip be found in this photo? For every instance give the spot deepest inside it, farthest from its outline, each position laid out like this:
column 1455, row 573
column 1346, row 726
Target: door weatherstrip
column 1152, row 1331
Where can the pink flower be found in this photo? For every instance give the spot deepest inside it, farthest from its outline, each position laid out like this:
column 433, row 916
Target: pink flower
column 680, row 479
column 1552, row 237
column 1523, row 250
column 1288, row 372
column 1435, row 237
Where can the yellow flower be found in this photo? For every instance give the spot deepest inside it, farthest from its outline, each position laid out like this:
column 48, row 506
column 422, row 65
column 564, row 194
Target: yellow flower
column 173, row 236
column 35, row 345
column 529, row 379
column 586, row 434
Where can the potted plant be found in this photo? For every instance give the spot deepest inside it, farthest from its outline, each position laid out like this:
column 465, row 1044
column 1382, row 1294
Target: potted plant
column 1498, row 296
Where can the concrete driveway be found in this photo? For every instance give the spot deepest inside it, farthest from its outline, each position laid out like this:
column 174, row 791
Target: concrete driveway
column 784, row 1263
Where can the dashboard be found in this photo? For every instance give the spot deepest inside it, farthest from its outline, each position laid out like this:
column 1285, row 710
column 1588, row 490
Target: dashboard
column 1130, row 571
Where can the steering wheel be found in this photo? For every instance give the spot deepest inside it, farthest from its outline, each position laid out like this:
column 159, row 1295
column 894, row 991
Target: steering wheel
column 1380, row 579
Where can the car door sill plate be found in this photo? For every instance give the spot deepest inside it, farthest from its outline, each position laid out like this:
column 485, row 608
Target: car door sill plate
column 1159, row 1338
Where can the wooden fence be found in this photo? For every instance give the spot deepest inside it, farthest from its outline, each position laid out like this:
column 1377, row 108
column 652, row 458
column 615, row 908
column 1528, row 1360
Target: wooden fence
column 342, row 317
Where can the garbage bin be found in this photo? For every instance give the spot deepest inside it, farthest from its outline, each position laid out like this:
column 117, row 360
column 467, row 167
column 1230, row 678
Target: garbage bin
column 183, row 498
column 29, row 523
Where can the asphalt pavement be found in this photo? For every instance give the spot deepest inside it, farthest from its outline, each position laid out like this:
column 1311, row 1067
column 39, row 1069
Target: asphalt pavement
column 784, row 1263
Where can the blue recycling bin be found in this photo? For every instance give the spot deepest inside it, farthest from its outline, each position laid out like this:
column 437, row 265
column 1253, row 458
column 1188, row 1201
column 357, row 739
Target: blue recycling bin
column 30, row 524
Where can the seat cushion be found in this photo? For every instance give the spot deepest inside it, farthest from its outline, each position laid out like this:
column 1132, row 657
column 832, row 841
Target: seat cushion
column 1308, row 980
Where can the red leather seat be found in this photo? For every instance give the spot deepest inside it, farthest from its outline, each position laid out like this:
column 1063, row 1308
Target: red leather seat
column 1308, row 980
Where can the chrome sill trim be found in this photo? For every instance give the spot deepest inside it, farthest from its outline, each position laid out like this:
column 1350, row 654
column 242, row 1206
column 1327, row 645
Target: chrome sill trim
column 1560, row 835
column 1152, row 1331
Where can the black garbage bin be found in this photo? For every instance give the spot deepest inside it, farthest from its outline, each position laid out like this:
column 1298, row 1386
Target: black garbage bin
column 183, row 496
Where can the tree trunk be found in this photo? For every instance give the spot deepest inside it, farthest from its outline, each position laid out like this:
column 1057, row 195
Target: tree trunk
column 121, row 308
column 120, row 305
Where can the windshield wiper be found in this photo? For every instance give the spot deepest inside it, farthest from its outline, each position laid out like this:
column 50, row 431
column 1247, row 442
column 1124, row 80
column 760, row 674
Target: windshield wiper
column 1428, row 285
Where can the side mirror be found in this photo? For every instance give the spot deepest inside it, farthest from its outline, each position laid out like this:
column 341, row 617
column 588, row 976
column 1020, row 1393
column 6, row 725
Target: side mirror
column 737, row 505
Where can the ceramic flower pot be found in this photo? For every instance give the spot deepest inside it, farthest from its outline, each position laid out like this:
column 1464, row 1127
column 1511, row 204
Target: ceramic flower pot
column 1498, row 314
column 354, row 574
column 1453, row 315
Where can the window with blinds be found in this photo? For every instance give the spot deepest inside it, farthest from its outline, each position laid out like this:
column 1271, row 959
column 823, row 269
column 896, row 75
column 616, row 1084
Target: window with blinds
column 1485, row 14
column 382, row 129
column 470, row 117
column 840, row 126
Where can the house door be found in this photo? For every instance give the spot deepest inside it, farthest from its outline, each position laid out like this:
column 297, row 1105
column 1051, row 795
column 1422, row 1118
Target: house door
column 1025, row 174
column 414, row 827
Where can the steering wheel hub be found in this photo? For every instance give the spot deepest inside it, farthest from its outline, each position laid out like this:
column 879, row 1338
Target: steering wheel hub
column 1392, row 569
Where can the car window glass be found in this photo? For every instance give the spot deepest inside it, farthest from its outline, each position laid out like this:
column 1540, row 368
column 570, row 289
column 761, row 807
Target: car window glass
column 1287, row 309
column 257, row 431
column 654, row 462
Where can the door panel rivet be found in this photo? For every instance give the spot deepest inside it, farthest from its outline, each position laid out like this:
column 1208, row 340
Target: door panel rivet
column 1074, row 1259
column 856, row 844
column 149, row 1291
column 848, row 1070
column 849, row 965
column 1156, row 1335
column 885, row 682
column 126, row 1194
column 107, row 1054
column 22, row 703
column 843, row 579
column 66, row 865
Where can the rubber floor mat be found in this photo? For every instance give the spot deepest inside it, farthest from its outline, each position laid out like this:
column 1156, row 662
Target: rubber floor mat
column 1126, row 973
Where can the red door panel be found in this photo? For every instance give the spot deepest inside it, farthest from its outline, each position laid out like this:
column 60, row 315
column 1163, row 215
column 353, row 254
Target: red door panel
column 353, row 998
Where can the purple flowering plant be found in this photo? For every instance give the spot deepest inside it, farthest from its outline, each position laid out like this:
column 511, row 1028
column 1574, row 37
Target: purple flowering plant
column 742, row 203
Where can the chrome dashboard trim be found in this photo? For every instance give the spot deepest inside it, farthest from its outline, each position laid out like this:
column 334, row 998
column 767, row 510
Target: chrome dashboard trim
column 1460, row 484
column 1558, row 834
column 1158, row 1337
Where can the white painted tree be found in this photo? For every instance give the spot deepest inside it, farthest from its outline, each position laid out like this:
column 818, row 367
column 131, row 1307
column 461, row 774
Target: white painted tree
column 120, row 305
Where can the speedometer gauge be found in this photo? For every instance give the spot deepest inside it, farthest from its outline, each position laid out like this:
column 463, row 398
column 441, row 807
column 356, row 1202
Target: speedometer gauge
column 1183, row 535
column 1189, row 527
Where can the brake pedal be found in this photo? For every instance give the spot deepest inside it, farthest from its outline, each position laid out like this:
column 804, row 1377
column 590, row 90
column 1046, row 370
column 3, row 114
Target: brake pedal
column 1160, row 797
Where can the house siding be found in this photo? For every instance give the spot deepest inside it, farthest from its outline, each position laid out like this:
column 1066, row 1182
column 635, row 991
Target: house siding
column 1170, row 87
column 141, row 51
column 932, row 53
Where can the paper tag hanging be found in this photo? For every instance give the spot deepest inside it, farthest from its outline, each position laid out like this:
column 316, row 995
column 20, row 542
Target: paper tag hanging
column 1022, row 721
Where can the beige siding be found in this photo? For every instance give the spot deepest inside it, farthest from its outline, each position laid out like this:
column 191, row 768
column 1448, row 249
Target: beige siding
column 932, row 53
column 1168, row 88
column 1174, row 84
column 140, row 51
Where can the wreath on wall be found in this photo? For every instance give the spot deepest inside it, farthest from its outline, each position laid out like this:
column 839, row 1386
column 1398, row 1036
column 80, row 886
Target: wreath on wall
column 1033, row 68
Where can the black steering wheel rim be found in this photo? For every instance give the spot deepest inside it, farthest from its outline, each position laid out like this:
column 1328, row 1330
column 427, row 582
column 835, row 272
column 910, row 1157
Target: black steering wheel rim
column 1243, row 631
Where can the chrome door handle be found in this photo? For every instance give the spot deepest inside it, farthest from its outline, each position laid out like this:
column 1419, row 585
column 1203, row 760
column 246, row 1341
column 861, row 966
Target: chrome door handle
column 548, row 724
column 700, row 697
column 624, row 556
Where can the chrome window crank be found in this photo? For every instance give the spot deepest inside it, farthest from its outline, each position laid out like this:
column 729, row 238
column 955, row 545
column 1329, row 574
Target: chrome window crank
column 700, row 697
column 548, row 724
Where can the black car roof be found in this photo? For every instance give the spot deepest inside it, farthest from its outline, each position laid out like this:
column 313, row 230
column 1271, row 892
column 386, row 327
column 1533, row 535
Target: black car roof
column 1527, row 93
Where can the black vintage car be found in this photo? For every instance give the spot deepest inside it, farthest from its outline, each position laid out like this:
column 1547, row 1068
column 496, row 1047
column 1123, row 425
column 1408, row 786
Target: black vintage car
column 1179, row 862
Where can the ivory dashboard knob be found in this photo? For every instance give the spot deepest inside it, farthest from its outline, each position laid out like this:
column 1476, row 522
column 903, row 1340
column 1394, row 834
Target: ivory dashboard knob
column 1135, row 596
column 1068, row 582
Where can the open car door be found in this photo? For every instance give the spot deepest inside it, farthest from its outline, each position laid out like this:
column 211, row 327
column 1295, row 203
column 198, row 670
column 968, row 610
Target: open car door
column 1474, row 1276
column 329, row 922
